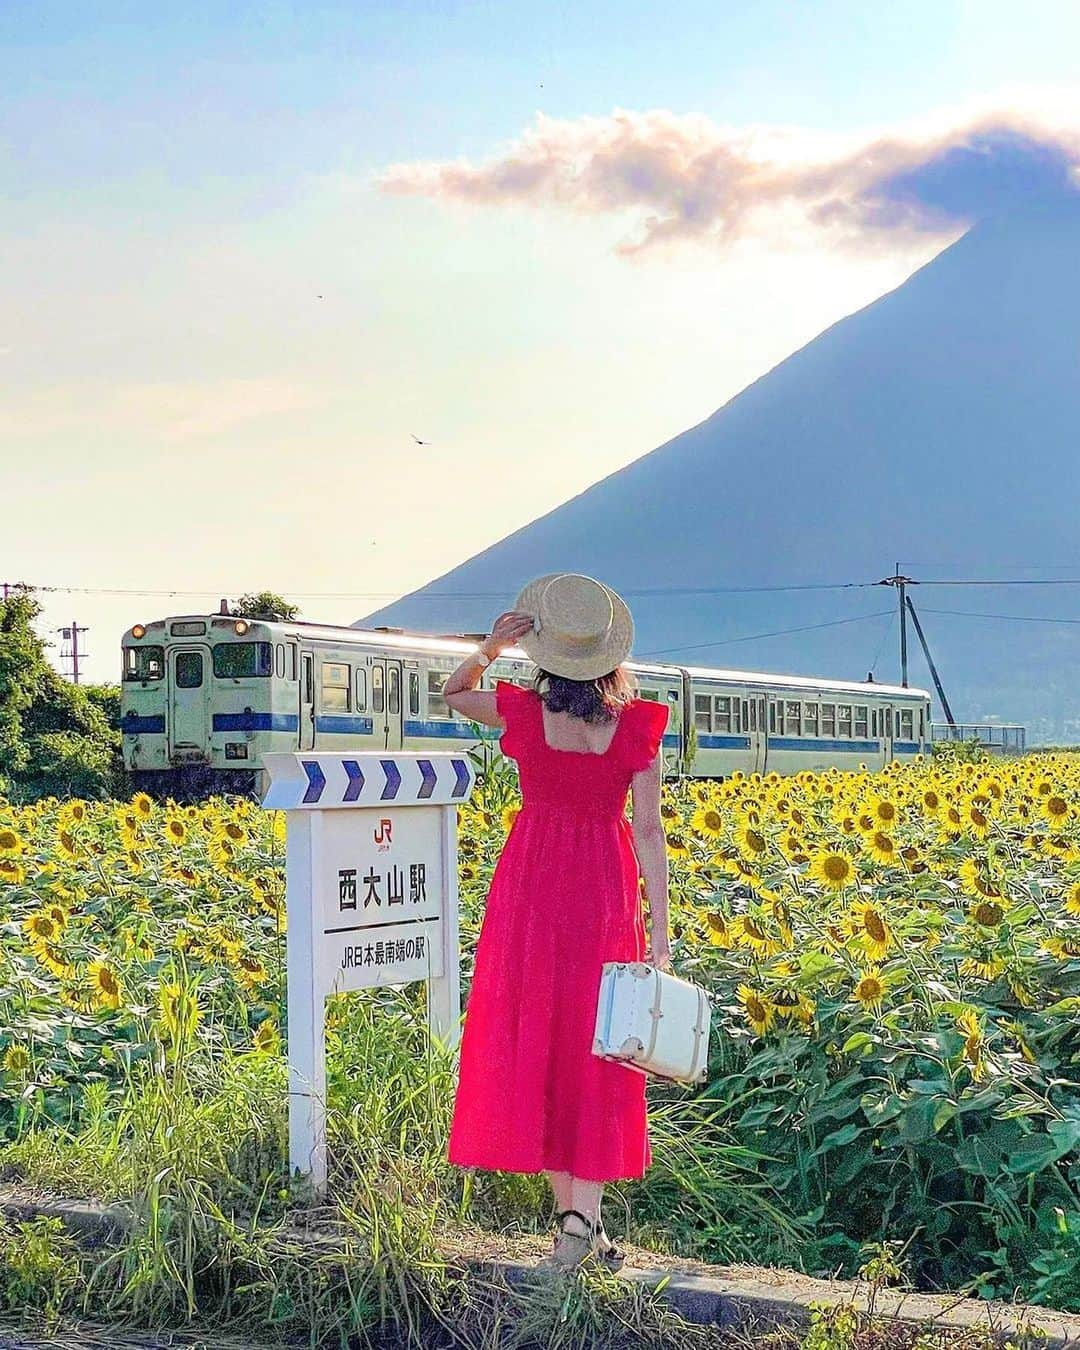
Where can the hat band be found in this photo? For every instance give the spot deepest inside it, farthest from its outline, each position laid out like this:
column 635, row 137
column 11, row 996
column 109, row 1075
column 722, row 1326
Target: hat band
column 577, row 641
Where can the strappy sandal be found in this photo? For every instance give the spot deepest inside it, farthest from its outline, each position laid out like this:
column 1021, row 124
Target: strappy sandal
column 573, row 1250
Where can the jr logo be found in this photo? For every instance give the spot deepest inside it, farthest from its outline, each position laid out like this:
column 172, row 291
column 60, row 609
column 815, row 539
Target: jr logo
column 382, row 834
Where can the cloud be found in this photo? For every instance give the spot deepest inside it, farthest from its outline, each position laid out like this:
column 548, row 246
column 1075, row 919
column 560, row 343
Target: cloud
column 685, row 177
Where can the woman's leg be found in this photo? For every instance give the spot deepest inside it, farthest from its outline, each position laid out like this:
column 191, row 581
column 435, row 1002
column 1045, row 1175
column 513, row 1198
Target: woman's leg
column 562, row 1188
column 585, row 1197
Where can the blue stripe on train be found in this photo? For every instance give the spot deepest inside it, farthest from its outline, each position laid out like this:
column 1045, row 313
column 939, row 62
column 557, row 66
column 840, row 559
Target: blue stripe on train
column 710, row 742
column 823, row 743
column 136, row 724
column 455, row 731
column 341, row 724
column 256, row 721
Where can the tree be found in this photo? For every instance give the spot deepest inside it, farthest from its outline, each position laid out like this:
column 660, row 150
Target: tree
column 265, row 605
column 56, row 738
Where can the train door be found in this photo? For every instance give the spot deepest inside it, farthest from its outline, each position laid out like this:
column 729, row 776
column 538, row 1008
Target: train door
column 189, row 705
column 885, row 722
column 756, row 732
column 386, row 702
column 307, row 701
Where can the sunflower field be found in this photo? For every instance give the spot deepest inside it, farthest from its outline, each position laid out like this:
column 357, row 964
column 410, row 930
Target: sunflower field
column 893, row 961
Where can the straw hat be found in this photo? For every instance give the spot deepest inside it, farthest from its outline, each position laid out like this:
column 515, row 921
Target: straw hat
column 581, row 628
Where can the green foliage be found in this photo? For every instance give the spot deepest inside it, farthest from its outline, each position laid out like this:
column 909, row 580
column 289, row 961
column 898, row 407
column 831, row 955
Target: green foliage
column 39, row 1268
column 970, row 751
column 56, row 738
column 265, row 605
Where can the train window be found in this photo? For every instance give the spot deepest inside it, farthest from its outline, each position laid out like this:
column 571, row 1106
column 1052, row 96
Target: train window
column 279, row 660
column 653, row 695
column 414, row 693
column 335, row 686
column 436, row 704
column 860, row 722
column 906, row 717
column 810, row 718
column 144, row 663
column 828, row 719
column 873, row 722
column 793, row 719
column 188, row 670
column 922, row 724
column 361, row 689
column 843, row 719
column 722, row 713
column 378, row 689
column 753, row 714
column 292, row 662
column 393, row 689
column 240, row 660
column 772, row 716
column 888, row 721
column 702, row 716
column 740, row 709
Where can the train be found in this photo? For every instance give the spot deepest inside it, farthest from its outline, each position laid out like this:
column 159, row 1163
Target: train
column 205, row 696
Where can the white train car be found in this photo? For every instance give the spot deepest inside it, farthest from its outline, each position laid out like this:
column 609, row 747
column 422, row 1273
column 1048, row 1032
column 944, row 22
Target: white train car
column 204, row 697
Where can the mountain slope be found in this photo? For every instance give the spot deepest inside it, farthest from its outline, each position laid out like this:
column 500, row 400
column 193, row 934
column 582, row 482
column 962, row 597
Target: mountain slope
column 939, row 426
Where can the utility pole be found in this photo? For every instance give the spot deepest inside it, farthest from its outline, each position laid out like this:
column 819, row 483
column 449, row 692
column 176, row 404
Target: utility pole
column 72, row 635
column 901, row 583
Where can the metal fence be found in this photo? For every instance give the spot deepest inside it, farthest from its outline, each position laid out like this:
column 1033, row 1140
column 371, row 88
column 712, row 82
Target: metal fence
column 994, row 736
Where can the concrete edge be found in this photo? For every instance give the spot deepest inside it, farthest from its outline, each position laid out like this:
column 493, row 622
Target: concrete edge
column 727, row 1300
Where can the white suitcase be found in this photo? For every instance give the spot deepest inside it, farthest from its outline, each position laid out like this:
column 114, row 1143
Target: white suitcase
column 653, row 1022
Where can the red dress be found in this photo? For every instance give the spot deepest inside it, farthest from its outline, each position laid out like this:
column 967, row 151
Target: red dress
column 564, row 899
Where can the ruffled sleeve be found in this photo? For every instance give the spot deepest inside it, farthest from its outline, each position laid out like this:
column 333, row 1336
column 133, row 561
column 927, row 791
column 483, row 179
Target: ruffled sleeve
column 514, row 705
column 646, row 734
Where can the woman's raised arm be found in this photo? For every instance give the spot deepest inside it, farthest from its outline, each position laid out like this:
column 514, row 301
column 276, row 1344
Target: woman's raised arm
column 460, row 691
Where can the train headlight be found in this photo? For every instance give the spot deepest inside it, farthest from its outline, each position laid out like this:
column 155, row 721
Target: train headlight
column 240, row 627
column 138, row 631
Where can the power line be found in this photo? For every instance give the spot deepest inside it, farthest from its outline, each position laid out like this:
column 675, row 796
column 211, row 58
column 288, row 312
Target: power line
column 1012, row 618
column 779, row 632
column 462, row 595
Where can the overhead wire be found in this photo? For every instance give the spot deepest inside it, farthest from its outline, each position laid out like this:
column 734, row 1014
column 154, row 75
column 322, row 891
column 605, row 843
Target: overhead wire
column 779, row 632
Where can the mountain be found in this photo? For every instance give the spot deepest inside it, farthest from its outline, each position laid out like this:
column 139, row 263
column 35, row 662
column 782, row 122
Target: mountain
column 939, row 426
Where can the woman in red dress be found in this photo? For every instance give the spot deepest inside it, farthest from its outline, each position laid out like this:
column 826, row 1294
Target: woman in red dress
column 565, row 898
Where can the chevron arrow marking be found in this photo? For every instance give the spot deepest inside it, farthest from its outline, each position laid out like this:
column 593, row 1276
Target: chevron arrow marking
column 429, row 776
column 316, row 781
column 356, row 780
column 461, row 770
column 393, row 780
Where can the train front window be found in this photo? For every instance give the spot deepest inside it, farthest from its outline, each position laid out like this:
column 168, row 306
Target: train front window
column 144, row 663
column 189, row 670
column 243, row 660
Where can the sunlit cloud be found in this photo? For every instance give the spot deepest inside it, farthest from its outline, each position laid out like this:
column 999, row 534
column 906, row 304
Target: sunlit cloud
column 678, row 178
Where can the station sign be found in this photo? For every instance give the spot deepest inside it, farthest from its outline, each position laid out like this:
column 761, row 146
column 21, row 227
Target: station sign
column 372, row 900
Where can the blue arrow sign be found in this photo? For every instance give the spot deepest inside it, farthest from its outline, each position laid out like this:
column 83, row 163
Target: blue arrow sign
column 428, row 774
column 356, row 780
column 393, row 779
column 316, row 781
column 461, row 770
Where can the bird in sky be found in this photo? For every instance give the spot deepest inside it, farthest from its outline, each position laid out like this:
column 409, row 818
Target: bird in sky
column 418, row 440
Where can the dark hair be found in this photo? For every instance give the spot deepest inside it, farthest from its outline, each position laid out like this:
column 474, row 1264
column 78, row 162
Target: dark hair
column 599, row 700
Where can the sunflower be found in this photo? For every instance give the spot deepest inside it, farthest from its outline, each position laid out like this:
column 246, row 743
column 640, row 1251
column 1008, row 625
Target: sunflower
column 68, row 843
column 267, row 1038
column 677, row 844
column 10, row 843
column 41, row 927
column 976, row 820
column 951, row 819
column 509, row 815
column 707, row 821
column 16, row 1060
column 793, row 1006
column 179, row 1013
column 1065, row 946
column 12, row 872
column 884, row 812
column 988, row 913
column 968, row 1023
column 931, row 800
column 975, row 879
column 752, row 843
column 251, row 970
column 54, row 961
column 142, row 805
column 1072, row 898
column 668, row 810
column 870, row 990
column 717, row 928
column 234, row 833
column 749, row 931
column 759, row 1009
column 881, row 847
column 987, row 965
column 833, row 870
column 869, row 925
column 1056, row 809
column 175, row 830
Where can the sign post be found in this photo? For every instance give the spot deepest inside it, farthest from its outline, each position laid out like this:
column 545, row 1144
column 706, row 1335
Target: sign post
column 372, row 900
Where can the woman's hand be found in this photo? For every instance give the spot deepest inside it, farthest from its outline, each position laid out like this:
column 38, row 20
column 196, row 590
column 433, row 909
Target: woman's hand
column 659, row 953
column 505, row 632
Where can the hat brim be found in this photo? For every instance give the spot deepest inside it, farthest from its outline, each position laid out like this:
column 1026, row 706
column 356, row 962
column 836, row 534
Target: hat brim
column 550, row 655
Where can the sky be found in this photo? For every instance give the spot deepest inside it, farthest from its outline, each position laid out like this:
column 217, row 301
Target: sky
column 250, row 251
